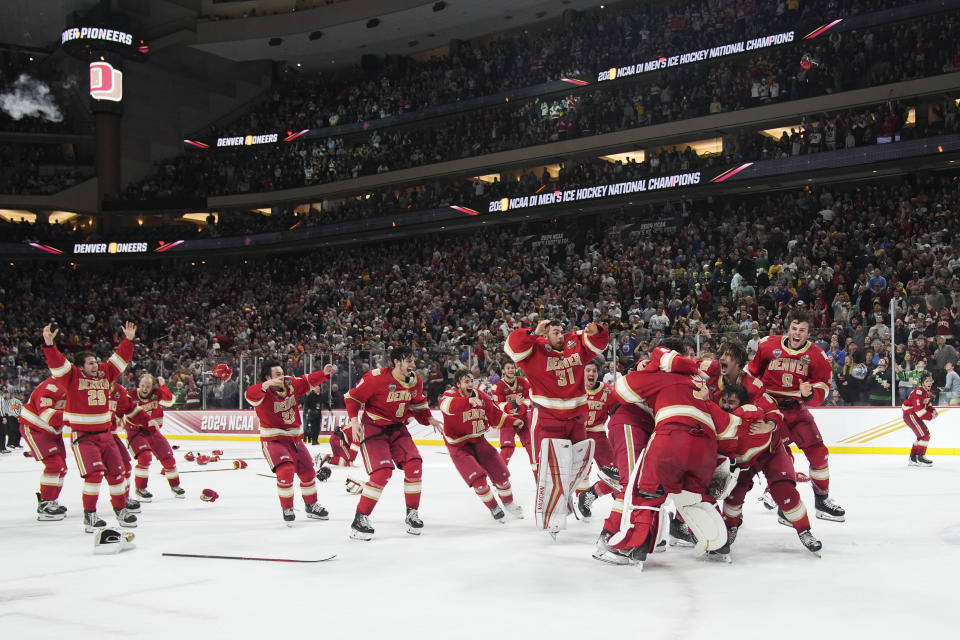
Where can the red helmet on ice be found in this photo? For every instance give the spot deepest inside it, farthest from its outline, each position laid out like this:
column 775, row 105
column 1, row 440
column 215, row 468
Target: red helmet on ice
column 222, row 371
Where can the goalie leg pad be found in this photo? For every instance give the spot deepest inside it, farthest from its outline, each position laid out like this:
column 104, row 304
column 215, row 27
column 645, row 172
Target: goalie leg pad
column 580, row 460
column 703, row 519
column 554, row 477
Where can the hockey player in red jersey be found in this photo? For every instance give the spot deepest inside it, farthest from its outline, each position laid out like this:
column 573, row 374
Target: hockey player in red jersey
column 87, row 384
column 512, row 395
column 276, row 401
column 120, row 405
column 553, row 362
column 467, row 415
column 797, row 374
column 344, row 447
column 389, row 396
column 679, row 461
column 41, row 425
column 761, row 452
column 598, row 410
column 917, row 409
column 144, row 438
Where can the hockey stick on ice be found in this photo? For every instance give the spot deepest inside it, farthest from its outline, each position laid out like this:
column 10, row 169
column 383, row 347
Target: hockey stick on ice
column 200, row 555
column 208, row 470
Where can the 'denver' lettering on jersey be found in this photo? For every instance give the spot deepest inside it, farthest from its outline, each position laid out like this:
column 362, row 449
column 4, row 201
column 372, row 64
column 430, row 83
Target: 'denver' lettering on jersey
column 787, row 364
column 399, row 396
column 477, row 413
column 149, row 406
column 88, row 383
column 287, row 403
column 597, row 404
column 554, row 363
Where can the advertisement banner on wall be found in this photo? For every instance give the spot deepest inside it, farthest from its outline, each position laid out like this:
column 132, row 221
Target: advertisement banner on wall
column 844, row 430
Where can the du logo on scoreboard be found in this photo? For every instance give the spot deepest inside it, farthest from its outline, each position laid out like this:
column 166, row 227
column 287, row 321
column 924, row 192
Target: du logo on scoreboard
column 106, row 82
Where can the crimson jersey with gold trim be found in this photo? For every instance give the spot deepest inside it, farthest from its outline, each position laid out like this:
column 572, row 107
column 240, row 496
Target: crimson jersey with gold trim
column 87, row 408
column 513, row 399
column 782, row 369
column 385, row 400
column 678, row 399
column 598, row 407
column 755, row 389
column 120, row 405
column 279, row 411
column 919, row 404
column 44, row 409
column 150, row 414
column 462, row 421
column 556, row 377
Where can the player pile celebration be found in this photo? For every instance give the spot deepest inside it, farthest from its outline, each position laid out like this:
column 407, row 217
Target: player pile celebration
column 677, row 442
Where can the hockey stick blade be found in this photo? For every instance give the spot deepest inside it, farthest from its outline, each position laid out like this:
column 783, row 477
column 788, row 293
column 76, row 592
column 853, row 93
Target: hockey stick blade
column 200, row 555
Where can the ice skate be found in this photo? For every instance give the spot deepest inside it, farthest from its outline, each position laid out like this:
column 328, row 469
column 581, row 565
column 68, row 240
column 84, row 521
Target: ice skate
column 782, row 519
column 584, row 501
column 680, row 534
column 289, row 516
column 178, row 492
column 768, row 500
column 605, row 553
column 132, row 506
column 50, row 510
column 361, row 529
column 144, row 496
column 924, row 461
column 92, row 522
column 810, row 542
column 723, row 553
column 827, row 509
column 316, row 512
column 513, row 509
column 413, row 521
column 125, row 518
column 610, row 476
column 498, row 514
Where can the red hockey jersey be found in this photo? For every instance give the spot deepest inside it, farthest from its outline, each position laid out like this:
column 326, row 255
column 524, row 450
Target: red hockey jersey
column 782, row 369
column 44, row 409
column 278, row 411
column 598, row 408
column 86, row 407
column 463, row 422
column 678, row 399
column 513, row 399
column 920, row 404
column 120, row 405
column 556, row 377
column 385, row 400
column 150, row 414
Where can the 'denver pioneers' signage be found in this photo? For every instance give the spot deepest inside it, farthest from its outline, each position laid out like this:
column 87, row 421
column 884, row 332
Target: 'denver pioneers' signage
column 247, row 140
column 96, row 35
column 111, row 247
column 642, row 185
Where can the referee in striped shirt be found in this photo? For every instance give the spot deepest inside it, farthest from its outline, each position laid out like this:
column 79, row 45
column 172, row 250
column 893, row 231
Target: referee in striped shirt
column 10, row 407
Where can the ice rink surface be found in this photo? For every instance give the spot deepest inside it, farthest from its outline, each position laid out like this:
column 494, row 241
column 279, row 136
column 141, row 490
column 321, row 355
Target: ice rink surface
column 891, row 571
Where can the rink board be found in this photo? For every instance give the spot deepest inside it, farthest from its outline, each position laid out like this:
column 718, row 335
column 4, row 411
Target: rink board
column 845, row 430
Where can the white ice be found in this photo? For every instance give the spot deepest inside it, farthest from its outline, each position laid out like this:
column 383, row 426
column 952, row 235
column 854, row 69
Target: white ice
column 891, row 571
